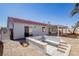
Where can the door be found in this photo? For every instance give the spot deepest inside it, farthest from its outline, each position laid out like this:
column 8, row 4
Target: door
column 49, row 31
column 11, row 34
column 26, row 31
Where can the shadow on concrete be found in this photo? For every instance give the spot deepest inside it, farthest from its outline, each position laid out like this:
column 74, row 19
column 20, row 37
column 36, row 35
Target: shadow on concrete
column 1, row 48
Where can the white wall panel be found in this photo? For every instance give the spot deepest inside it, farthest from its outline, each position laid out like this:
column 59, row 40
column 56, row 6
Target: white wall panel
column 19, row 30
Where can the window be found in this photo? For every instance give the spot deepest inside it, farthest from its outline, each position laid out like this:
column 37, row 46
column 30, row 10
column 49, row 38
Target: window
column 34, row 26
column 52, row 29
column 43, row 29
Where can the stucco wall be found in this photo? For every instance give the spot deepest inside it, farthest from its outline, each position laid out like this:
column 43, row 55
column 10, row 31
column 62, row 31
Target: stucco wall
column 0, row 28
column 18, row 31
column 33, row 29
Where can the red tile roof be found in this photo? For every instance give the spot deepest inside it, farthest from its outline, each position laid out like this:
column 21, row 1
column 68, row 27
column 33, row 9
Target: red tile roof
column 17, row 20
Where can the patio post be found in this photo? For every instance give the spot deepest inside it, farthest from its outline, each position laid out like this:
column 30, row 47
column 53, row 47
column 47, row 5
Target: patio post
column 58, row 31
column 1, row 34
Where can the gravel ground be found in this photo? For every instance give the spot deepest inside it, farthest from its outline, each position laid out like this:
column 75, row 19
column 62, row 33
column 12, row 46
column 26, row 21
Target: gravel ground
column 75, row 45
column 12, row 48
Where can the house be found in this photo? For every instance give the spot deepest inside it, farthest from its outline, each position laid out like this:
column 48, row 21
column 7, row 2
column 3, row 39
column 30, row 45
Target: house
column 0, row 27
column 58, row 29
column 20, row 28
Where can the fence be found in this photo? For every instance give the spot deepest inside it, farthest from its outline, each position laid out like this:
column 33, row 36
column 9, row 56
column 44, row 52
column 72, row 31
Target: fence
column 4, row 34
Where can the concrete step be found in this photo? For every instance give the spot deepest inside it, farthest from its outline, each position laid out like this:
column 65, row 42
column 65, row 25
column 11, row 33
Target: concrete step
column 62, row 47
column 63, row 42
column 61, row 50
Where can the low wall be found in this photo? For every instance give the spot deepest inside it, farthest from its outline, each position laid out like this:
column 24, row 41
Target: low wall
column 39, row 45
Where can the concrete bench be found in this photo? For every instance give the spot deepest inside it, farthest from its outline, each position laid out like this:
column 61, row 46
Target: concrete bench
column 48, row 46
column 53, row 43
column 36, row 43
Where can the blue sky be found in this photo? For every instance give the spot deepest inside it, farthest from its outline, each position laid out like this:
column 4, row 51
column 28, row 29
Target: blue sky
column 54, row 13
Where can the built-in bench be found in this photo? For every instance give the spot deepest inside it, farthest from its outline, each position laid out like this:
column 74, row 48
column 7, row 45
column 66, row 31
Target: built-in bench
column 38, row 44
column 51, row 46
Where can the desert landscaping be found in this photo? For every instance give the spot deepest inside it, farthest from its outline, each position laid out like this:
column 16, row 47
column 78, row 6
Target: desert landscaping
column 54, row 33
column 14, row 48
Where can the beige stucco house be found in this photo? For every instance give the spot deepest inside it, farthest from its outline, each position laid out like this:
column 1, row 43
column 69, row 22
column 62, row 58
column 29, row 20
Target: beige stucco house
column 20, row 28
column 58, row 29
column 0, row 27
